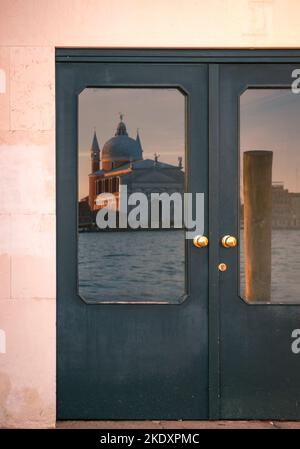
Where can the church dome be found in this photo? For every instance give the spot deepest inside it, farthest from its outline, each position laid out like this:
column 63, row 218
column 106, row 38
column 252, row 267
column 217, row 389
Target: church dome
column 121, row 148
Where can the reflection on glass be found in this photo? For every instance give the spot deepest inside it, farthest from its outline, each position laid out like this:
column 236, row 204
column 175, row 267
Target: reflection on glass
column 124, row 158
column 269, row 196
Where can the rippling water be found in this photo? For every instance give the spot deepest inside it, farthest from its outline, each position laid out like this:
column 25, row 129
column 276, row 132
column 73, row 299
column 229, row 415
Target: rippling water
column 149, row 266
column 141, row 265
column 285, row 284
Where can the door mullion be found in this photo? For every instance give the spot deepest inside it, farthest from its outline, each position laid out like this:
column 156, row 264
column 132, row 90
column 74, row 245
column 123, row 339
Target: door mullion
column 213, row 307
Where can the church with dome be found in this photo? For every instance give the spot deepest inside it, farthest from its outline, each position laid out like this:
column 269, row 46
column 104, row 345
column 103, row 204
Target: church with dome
column 121, row 162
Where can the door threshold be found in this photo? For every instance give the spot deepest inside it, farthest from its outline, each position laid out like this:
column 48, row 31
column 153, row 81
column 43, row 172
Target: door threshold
column 178, row 424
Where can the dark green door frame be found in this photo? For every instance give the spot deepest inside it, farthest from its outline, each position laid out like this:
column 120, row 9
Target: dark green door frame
column 215, row 60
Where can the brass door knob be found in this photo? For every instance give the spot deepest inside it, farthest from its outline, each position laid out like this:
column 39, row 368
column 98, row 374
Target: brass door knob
column 228, row 241
column 200, row 241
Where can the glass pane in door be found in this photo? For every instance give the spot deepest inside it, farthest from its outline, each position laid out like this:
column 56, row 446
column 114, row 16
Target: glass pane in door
column 270, row 196
column 131, row 163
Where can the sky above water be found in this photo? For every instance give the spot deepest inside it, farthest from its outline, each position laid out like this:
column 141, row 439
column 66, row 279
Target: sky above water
column 159, row 114
column 269, row 120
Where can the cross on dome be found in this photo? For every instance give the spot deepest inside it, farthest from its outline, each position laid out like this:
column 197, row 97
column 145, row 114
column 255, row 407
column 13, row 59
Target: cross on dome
column 121, row 129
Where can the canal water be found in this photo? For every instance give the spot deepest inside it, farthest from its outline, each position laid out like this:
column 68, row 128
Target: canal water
column 149, row 266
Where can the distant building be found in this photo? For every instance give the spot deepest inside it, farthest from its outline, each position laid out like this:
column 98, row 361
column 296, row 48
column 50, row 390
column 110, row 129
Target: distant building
column 285, row 208
column 86, row 218
column 122, row 163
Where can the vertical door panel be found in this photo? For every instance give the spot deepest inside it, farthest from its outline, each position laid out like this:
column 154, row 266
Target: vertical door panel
column 259, row 375
column 130, row 361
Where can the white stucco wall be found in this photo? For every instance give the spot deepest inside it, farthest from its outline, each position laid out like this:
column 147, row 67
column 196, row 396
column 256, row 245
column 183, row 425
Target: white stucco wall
column 29, row 32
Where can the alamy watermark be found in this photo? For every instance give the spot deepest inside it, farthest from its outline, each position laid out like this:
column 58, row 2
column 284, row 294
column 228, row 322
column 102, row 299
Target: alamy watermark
column 154, row 211
column 296, row 83
column 139, row 210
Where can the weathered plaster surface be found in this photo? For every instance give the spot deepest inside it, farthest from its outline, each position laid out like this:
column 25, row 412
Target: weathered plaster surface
column 4, row 88
column 27, row 386
column 160, row 23
column 27, row 244
column 32, row 88
column 29, row 32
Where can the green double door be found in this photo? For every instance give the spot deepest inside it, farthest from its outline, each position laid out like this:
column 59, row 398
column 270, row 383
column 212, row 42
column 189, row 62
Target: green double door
column 155, row 321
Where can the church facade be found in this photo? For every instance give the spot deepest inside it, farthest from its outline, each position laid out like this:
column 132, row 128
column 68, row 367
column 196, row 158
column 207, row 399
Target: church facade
column 120, row 163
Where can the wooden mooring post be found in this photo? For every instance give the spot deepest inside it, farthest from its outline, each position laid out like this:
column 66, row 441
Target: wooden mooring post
column 258, row 224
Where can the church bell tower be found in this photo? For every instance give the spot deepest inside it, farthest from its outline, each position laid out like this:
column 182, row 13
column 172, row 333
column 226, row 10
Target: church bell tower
column 95, row 166
column 95, row 154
